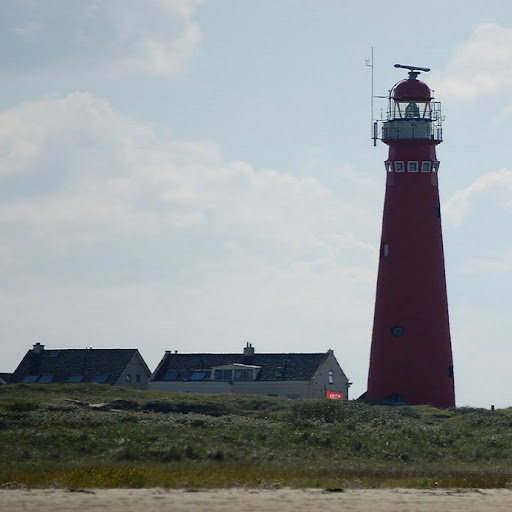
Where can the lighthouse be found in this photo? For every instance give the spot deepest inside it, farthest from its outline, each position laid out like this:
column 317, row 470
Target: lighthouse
column 411, row 356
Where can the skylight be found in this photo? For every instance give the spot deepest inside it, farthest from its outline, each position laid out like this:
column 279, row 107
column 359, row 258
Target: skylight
column 75, row 378
column 100, row 378
column 46, row 379
column 171, row 375
column 198, row 375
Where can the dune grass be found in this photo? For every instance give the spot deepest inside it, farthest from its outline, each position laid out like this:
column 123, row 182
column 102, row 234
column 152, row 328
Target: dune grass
column 103, row 436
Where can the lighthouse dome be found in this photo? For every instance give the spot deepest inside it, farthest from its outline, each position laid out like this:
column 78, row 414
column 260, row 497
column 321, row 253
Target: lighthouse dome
column 411, row 90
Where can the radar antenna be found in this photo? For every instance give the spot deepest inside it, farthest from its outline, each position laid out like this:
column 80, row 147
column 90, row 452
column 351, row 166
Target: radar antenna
column 414, row 71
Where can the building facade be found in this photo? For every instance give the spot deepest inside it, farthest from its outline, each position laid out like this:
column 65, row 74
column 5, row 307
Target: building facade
column 115, row 366
column 291, row 375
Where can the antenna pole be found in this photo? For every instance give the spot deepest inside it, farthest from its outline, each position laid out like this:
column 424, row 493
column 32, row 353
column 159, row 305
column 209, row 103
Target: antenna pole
column 369, row 63
column 372, row 92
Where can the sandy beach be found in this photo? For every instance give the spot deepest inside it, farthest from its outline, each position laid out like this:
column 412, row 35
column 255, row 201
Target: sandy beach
column 248, row 500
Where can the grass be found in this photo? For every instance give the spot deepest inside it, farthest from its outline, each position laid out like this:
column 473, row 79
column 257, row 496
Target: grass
column 103, row 436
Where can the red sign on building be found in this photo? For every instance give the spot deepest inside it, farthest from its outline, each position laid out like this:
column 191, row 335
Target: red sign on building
column 333, row 395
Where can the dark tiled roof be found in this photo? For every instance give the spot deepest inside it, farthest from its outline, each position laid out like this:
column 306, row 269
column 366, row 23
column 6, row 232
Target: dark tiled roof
column 87, row 362
column 273, row 366
column 6, row 377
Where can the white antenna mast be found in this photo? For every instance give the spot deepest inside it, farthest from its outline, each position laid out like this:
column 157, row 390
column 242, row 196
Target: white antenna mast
column 369, row 63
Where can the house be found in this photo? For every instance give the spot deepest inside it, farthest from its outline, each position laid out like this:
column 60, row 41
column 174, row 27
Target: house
column 5, row 378
column 115, row 366
column 314, row 375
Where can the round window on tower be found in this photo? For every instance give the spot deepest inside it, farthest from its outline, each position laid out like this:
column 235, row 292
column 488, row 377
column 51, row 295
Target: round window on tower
column 397, row 330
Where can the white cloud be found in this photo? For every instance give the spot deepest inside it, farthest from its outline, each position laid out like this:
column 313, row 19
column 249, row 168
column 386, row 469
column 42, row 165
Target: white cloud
column 28, row 30
column 93, row 182
column 158, row 37
column 499, row 266
column 132, row 236
column 119, row 36
column 181, row 8
column 480, row 67
column 459, row 204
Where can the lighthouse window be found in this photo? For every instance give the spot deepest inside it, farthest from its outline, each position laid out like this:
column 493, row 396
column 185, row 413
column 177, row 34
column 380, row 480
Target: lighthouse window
column 385, row 250
column 389, row 166
column 397, row 330
column 435, row 166
column 399, row 167
column 412, row 166
column 425, row 166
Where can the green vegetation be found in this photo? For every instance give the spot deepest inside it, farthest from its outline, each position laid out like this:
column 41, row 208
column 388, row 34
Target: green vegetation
column 101, row 436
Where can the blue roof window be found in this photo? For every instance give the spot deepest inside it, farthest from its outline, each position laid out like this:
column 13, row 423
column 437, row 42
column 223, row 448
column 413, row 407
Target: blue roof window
column 46, row 379
column 101, row 378
column 171, row 375
column 198, row 375
column 75, row 378
column 30, row 379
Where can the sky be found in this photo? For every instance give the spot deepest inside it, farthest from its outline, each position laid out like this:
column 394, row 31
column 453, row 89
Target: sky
column 195, row 175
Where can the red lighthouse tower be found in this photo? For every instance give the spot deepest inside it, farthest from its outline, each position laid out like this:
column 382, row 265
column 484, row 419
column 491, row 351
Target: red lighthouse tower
column 411, row 356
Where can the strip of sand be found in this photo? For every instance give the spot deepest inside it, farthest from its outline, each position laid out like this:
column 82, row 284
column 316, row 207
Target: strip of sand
column 250, row 500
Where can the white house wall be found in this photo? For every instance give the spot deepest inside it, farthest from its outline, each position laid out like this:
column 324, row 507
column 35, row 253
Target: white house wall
column 320, row 383
column 287, row 389
column 133, row 368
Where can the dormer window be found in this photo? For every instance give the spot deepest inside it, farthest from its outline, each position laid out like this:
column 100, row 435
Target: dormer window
column 244, row 374
column 223, row 375
column 236, row 372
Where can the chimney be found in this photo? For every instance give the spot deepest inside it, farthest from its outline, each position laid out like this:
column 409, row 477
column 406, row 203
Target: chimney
column 248, row 354
column 38, row 348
